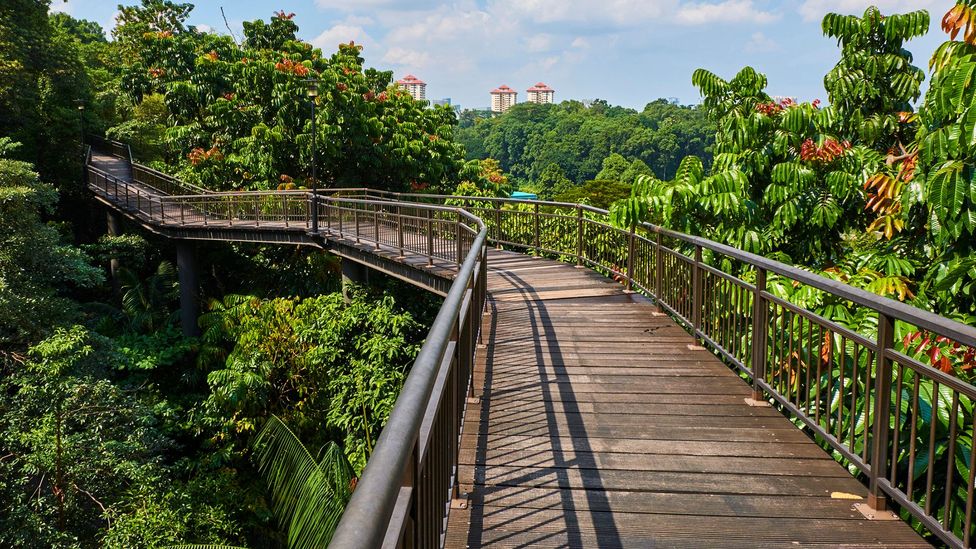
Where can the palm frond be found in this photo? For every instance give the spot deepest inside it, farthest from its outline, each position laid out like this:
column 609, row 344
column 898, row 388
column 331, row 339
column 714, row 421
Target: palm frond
column 308, row 497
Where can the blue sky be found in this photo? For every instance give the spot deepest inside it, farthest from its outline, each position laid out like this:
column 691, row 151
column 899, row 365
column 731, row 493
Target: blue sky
column 628, row 52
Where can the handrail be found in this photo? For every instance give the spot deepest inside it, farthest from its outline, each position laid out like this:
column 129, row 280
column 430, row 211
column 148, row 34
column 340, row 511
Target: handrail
column 865, row 393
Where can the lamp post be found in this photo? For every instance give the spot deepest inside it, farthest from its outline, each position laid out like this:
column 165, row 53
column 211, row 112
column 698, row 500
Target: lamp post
column 81, row 116
column 313, row 92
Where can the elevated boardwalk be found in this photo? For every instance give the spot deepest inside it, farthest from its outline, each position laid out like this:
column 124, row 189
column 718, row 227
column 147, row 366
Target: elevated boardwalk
column 603, row 424
column 599, row 421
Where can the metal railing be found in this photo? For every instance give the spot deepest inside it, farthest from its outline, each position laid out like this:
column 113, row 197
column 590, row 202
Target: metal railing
column 411, row 476
column 862, row 381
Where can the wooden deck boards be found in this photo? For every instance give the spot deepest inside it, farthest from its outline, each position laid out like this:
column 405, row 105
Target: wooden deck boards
column 602, row 423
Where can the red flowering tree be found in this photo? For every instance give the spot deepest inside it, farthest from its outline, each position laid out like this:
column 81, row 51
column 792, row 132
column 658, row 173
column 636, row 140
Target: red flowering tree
column 240, row 117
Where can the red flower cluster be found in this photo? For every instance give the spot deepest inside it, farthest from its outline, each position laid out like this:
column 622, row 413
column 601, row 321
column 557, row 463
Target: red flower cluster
column 212, row 56
column 287, row 65
column 414, row 186
column 816, row 103
column 369, row 96
column 229, row 96
column 381, row 97
column 342, row 87
column 941, row 351
column 198, row 155
column 825, row 153
column 281, row 15
column 156, row 72
column 768, row 109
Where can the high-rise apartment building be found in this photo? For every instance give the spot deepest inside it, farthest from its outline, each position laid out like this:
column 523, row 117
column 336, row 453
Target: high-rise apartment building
column 502, row 98
column 540, row 93
column 416, row 87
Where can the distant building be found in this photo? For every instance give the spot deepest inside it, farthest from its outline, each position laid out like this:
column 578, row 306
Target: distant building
column 502, row 98
column 540, row 93
column 445, row 101
column 416, row 87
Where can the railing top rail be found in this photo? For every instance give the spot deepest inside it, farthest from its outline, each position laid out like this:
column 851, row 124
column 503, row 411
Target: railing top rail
column 364, row 522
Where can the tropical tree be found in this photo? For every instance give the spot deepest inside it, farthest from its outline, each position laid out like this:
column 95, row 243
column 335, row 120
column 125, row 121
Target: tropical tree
column 240, row 117
column 37, row 268
column 946, row 166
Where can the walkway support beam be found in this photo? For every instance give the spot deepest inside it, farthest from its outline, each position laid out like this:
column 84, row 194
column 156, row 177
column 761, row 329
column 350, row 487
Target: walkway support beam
column 353, row 274
column 186, row 265
column 113, row 228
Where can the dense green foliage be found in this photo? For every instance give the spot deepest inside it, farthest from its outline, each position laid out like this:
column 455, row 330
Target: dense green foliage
column 116, row 430
column 237, row 115
column 531, row 140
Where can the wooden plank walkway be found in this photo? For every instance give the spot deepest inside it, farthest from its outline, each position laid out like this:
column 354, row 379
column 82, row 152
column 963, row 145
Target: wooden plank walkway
column 603, row 424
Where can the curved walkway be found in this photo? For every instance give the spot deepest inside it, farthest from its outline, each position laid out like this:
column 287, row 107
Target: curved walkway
column 602, row 423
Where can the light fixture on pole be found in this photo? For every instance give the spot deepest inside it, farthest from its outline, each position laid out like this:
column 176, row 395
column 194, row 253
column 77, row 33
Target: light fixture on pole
column 313, row 92
column 81, row 116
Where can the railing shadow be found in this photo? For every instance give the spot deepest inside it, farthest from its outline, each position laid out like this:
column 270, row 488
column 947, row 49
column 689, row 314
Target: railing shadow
column 562, row 466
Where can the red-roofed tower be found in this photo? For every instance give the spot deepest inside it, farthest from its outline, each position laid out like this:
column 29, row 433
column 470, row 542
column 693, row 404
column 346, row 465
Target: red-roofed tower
column 416, row 87
column 502, row 98
column 540, row 93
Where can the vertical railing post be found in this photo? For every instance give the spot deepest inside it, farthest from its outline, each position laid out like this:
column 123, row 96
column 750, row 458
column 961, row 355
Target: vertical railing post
column 659, row 273
column 230, row 212
column 284, row 208
column 579, row 235
column 630, row 257
column 882, row 411
column 257, row 212
column 460, row 245
column 498, row 225
column 400, row 228
column 430, row 237
column 759, row 334
column 535, row 218
column 355, row 218
column 376, row 226
column 696, row 290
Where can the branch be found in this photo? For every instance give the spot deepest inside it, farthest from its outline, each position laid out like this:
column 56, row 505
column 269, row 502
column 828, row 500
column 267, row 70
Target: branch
column 226, row 24
column 105, row 512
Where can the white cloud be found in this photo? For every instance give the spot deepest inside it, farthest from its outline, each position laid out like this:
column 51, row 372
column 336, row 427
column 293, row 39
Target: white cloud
column 445, row 25
column 538, row 42
column 616, row 11
column 205, row 28
column 760, row 43
column 580, row 43
column 407, row 58
column 61, row 6
column 341, row 33
column 349, row 5
column 814, row 10
column 729, row 11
